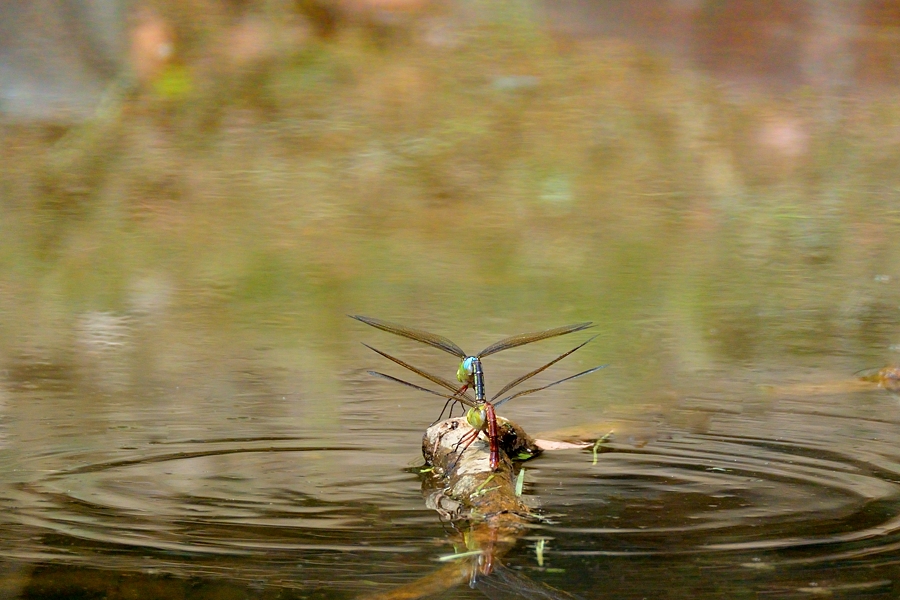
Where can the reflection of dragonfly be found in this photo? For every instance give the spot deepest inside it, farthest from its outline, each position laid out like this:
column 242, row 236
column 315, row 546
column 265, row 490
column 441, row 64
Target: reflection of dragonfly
column 502, row 583
column 481, row 414
column 481, row 550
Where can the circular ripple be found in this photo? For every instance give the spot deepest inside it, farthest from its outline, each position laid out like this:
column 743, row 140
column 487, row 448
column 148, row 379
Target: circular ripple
column 227, row 498
column 802, row 482
column 823, row 484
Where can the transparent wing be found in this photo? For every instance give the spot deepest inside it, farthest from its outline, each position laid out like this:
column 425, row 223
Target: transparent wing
column 462, row 399
column 527, row 376
column 505, row 584
column 526, row 392
column 527, row 338
column 869, row 374
column 438, row 341
column 432, row 378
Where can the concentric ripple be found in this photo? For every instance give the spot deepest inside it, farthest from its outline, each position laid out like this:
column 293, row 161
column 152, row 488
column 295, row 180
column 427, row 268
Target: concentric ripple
column 805, row 478
column 784, row 492
column 253, row 503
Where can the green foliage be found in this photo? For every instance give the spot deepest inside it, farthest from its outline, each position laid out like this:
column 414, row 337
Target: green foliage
column 174, row 83
column 498, row 175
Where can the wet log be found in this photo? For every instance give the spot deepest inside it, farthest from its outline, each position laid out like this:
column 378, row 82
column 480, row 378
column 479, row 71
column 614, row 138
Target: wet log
column 463, row 488
column 462, row 483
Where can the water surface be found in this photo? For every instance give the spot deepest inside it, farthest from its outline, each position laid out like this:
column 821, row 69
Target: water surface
column 184, row 405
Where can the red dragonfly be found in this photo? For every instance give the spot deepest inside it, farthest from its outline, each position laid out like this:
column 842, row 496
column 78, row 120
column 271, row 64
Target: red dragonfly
column 481, row 414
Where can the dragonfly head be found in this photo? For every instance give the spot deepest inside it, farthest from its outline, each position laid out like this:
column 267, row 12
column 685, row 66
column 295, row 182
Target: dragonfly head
column 466, row 370
column 476, row 418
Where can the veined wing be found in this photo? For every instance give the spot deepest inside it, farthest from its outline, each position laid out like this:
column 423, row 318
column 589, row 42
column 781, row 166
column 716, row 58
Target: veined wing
column 432, row 378
column 502, row 583
column 527, row 376
column 871, row 374
column 527, row 338
column 438, row 341
column 544, row 387
column 463, row 399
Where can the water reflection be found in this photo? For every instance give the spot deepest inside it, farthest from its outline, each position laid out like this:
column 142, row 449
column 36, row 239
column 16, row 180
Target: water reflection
column 809, row 479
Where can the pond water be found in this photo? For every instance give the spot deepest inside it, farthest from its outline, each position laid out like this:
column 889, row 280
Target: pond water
column 782, row 481
column 185, row 408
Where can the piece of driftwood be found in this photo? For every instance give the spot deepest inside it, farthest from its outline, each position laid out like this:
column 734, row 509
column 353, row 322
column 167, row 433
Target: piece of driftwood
column 462, row 483
column 483, row 505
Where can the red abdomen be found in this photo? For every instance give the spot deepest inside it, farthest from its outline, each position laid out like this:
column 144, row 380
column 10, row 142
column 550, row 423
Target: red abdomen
column 493, row 434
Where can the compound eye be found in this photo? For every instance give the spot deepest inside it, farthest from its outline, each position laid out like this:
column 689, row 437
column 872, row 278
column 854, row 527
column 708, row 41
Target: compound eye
column 476, row 417
column 469, row 365
column 466, row 369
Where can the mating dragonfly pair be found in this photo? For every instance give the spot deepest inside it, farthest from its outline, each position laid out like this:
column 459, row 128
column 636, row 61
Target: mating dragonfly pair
column 481, row 414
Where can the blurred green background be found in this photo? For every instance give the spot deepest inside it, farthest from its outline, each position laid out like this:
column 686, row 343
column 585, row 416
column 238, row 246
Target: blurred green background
column 709, row 181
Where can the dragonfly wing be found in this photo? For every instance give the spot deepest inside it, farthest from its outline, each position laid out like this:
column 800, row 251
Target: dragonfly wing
column 869, row 374
column 544, row 387
column 502, row 583
column 422, row 389
column 527, row 376
column 432, row 378
column 438, row 341
column 527, row 338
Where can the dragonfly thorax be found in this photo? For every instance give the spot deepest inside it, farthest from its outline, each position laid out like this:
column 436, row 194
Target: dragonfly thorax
column 470, row 374
column 476, row 417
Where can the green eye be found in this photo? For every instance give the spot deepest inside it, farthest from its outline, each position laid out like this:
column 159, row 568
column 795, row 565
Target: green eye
column 475, row 417
column 466, row 370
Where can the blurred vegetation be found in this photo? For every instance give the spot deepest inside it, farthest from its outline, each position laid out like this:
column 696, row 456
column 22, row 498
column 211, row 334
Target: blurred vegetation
column 454, row 168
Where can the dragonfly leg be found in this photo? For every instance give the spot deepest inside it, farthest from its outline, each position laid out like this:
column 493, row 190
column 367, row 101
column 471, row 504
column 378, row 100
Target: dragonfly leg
column 438, row 439
column 450, row 414
column 451, row 400
column 467, row 439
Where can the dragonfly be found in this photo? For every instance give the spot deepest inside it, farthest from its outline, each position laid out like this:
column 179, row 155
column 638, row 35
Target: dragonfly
column 481, row 414
column 886, row 377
